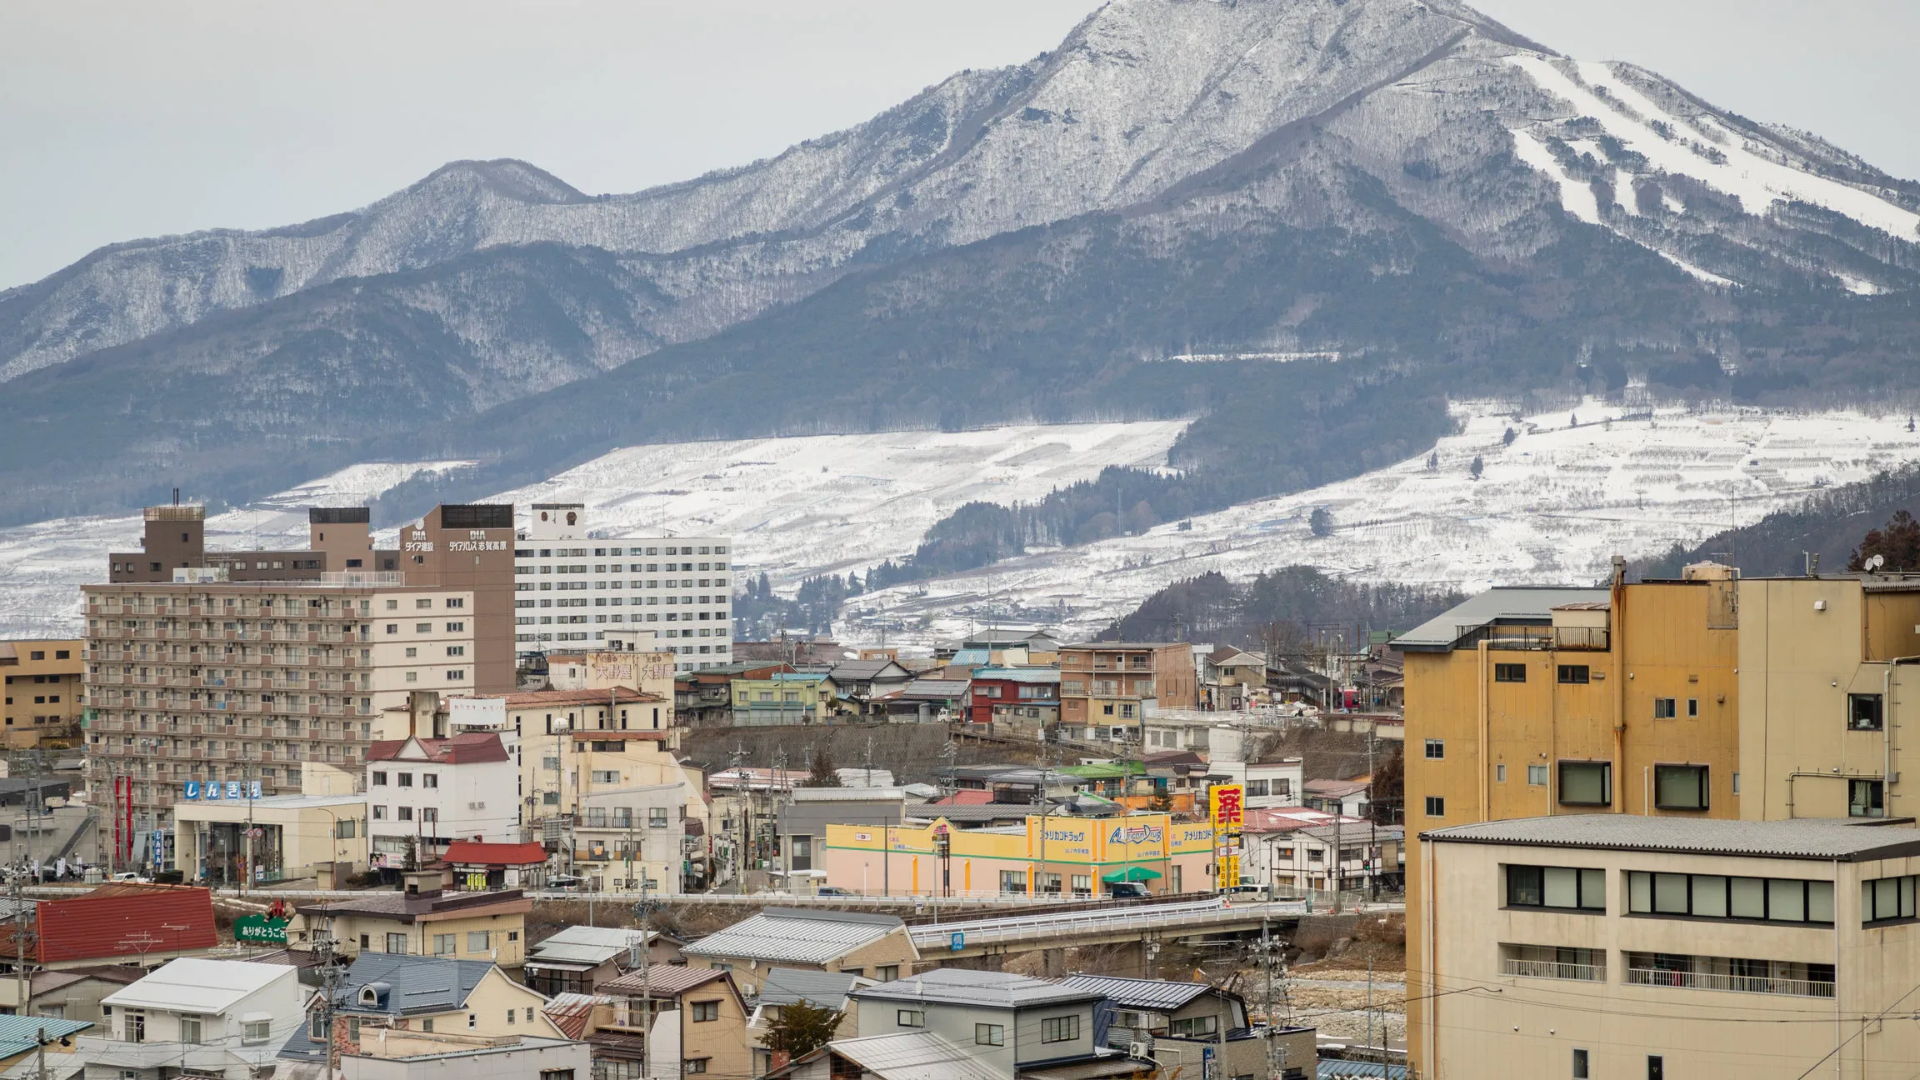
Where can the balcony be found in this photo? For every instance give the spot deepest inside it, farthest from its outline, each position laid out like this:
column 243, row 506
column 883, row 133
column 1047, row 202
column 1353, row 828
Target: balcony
column 1549, row 969
column 1736, row 976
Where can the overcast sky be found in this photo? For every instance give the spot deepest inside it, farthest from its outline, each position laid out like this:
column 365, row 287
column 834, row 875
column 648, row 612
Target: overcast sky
column 123, row 120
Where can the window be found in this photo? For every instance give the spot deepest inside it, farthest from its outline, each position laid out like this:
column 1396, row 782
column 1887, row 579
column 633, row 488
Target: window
column 693, row 1065
column 456, row 627
column 423, row 628
column 1574, row 674
column 656, row 817
column 379, row 813
column 1863, row 712
column 705, row 1011
column 1194, row 1027
column 1499, row 774
column 1693, row 707
column 479, row 941
column 1537, row 775
column 912, row 1018
column 1564, row 887
column 136, row 1027
column 1436, row 806
column 1663, row 708
column 1656, row 1067
column 397, row 944
column 405, row 779
column 456, row 602
column 1060, row 1029
column 430, row 780
column 379, row 778
column 1866, row 798
column 1886, row 899
column 545, row 1074
column 190, row 1029
column 1712, row 896
column 1680, row 787
column 456, row 650
column 1013, row 881
column 427, row 1025
column 1509, row 673
column 443, row 944
column 1586, row 783
column 989, row 1035
column 1436, row 749
column 456, row 674
column 257, row 1031
column 887, row 972
column 1580, row 1065
column 317, row 1023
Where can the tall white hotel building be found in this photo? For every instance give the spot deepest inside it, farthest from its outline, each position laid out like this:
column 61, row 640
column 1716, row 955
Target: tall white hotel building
column 570, row 589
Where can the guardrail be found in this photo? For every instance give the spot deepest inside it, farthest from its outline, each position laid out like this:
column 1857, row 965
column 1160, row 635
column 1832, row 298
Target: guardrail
column 1739, row 984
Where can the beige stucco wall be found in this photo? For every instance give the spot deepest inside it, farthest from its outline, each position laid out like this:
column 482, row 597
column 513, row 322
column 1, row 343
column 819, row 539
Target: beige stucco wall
column 506, row 946
column 1518, row 1026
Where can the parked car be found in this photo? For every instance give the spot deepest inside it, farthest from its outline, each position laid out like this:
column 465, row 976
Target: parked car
column 1127, row 890
column 564, row 883
column 835, row 890
column 1252, row 893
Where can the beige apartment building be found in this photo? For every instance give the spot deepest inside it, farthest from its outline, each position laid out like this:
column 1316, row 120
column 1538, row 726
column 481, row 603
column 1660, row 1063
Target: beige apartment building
column 1822, row 666
column 1618, row 946
column 230, row 681
column 43, row 698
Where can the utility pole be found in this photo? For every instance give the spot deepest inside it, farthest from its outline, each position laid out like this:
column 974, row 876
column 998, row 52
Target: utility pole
column 643, row 913
column 1338, row 866
column 23, row 937
column 329, row 983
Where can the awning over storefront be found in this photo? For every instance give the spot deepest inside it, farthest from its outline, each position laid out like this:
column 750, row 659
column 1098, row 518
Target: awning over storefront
column 1131, row 873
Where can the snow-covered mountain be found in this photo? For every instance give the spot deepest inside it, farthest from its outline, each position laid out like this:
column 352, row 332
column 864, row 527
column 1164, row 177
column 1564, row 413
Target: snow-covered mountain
column 1407, row 142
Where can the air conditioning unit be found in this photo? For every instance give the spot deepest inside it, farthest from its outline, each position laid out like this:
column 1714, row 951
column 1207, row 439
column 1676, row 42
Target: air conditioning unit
column 1141, row 1051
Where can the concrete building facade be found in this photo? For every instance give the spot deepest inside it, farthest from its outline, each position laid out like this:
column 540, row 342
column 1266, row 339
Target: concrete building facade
column 44, row 695
column 1118, row 685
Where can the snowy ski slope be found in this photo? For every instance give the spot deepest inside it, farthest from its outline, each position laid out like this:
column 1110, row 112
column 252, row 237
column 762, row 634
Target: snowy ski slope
column 796, row 506
column 1572, row 490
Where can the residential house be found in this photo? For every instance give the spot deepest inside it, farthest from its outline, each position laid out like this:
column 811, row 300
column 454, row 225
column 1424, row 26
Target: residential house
column 803, row 820
column 423, row 794
column 686, row 1021
column 1016, row 697
column 1349, row 797
column 1275, row 783
column 1117, row 685
column 786, row 987
column 386, row 992
column 863, row 683
column 857, row 943
column 926, row 700
column 785, row 697
column 1719, row 945
column 628, row 835
column 224, row 1018
column 1002, row 647
column 1191, row 1027
column 481, row 926
column 70, row 993
column 705, row 698
column 407, row 1054
column 1369, row 857
column 122, row 923
column 579, row 959
column 1001, row 1024
column 482, row 867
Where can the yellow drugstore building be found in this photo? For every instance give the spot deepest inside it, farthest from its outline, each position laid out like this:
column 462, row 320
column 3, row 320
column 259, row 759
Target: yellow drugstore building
column 1072, row 856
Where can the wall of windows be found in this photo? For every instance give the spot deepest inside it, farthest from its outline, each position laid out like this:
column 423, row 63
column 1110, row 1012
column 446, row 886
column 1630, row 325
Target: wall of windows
column 1886, row 899
column 1562, row 887
column 1711, row 896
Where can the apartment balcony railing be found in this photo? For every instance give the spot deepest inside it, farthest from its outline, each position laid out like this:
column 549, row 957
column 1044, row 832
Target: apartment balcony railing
column 1739, row 984
column 1548, row 969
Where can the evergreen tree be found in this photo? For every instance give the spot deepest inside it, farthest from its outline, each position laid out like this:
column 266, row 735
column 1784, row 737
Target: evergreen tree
column 822, row 774
column 1477, row 467
column 802, row 1028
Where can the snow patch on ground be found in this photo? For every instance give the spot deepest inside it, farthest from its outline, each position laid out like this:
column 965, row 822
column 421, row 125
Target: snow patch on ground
column 1576, row 195
column 1571, row 491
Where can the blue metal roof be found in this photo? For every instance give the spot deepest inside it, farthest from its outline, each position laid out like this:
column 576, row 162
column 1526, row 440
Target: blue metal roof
column 19, row 1034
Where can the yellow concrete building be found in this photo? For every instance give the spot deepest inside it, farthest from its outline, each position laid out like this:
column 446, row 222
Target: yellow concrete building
column 1528, row 702
column 1617, row 946
column 44, row 697
column 1822, row 665
column 1057, row 856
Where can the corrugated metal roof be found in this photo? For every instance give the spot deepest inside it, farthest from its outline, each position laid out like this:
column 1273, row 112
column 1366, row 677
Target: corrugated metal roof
column 787, row 986
column 415, row 983
column 796, row 936
column 191, row 984
column 1044, row 676
column 570, row 1012
column 988, row 989
column 1441, row 631
column 123, row 920
column 912, row 1055
column 661, row 980
column 589, row 945
column 1157, row 995
column 19, row 1034
column 1806, row 838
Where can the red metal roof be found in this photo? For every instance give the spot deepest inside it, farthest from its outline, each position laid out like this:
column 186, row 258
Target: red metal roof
column 475, row 853
column 125, row 920
column 965, row 797
column 471, row 748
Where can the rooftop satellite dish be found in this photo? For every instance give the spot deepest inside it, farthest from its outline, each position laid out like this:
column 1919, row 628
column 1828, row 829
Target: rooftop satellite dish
column 1876, row 563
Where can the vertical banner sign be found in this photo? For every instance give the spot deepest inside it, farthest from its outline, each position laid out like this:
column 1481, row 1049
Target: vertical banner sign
column 1224, row 808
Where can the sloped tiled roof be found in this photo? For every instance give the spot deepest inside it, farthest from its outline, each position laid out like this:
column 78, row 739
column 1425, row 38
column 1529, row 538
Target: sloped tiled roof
column 472, row 748
column 475, row 853
column 796, row 936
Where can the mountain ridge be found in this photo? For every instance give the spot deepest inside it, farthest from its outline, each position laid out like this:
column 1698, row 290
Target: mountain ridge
column 1479, row 188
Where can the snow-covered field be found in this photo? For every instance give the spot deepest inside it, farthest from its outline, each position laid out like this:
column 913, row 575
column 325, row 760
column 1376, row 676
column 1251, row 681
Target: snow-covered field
column 795, row 506
column 1572, row 490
